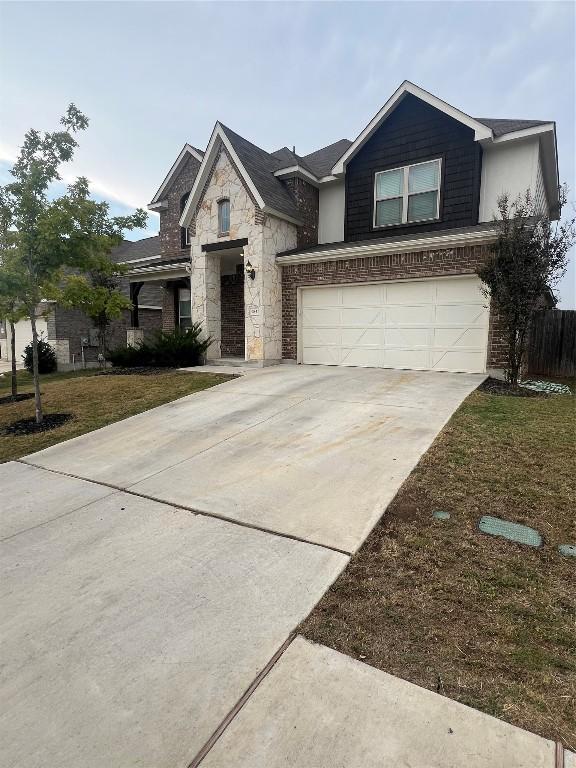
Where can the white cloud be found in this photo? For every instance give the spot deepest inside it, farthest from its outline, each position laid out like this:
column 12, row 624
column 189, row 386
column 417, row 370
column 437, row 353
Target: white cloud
column 97, row 187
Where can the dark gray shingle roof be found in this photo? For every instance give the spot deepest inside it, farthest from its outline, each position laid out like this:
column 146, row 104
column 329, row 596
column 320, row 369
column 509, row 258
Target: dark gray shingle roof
column 323, row 160
column 129, row 250
column 500, row 126
column 260, row 166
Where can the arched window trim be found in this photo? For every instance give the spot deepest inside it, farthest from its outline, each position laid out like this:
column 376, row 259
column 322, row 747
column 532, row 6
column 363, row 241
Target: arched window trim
column 223, row 218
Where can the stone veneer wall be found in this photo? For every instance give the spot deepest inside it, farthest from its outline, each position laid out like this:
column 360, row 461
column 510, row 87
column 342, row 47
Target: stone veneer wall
column 307, row 202
column 266, row 237
column 170, row 238
column 457, row 261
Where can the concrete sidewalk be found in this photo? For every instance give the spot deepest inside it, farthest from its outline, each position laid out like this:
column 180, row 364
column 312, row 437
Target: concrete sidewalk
column 320, row 709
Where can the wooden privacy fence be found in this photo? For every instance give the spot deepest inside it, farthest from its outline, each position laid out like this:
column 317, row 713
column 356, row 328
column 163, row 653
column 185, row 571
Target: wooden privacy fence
column 552, row 343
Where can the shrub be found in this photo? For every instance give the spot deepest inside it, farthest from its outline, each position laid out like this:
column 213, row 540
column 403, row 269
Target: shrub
column 46, row 357
column 179, row 349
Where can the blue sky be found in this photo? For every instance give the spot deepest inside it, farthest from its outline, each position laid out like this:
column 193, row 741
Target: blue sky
column 154, row 75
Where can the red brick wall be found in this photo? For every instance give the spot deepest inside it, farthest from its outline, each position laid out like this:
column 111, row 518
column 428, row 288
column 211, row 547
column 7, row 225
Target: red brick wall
column 232, row 309
column 168, row 307
column 170, row 237
column 74, row 325
column 457, row 261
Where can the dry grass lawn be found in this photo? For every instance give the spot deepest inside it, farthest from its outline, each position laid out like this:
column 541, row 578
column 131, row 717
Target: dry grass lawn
column 484, row 621
column 93, row 400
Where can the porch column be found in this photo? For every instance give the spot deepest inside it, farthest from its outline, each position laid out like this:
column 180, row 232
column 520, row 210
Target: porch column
column 263, row 295
column 205, row 290
column 134, row 293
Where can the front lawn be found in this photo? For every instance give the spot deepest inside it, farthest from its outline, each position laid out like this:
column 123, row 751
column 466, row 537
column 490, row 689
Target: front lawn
column 484, row 621
column 94, row 400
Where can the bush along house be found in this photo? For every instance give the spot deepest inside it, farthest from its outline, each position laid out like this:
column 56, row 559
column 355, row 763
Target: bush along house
column 362, row 253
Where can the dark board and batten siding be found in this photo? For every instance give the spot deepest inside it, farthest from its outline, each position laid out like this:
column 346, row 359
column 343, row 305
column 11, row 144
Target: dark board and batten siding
column 413, row 133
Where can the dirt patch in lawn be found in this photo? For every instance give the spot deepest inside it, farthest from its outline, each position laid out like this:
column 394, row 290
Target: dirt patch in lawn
column 482, row 620
column 93, row 401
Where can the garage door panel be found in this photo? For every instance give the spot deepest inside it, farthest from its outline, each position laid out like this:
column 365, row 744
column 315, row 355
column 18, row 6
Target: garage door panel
column 362, row 295
column 458, row 361
column 459, row 290
column 364, row 316
column 365, row 358
column 461, row 314
column 407, row 337
column 422, row 292
column 436, row 323
column 407, row 358
column 318, row 317
column 409, row 315
column 320, row 336
column 321, row 355
column 444, row 338
column 364, row 337
column 322, row 297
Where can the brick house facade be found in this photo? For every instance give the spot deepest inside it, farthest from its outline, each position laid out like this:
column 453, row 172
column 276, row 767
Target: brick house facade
column 410, row 202
column 395, row 266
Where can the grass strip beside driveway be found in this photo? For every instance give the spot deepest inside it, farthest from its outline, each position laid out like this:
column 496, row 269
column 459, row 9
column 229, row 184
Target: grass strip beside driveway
column 479, row 619
column 94, row 401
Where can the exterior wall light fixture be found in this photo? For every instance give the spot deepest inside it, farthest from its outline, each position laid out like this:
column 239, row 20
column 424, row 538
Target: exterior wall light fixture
column 249, row 271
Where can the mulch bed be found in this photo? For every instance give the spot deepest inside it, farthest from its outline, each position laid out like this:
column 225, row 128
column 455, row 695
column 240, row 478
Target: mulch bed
column 498, row 387
column 29, row 426
column 9, row 399
column 138, row 371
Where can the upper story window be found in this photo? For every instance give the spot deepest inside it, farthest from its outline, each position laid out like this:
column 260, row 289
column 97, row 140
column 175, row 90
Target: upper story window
column 223, row 217
column 184, row 231
column 407, row 195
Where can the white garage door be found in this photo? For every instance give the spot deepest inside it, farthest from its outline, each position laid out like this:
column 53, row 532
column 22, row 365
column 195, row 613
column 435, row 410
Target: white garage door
column 439, row 324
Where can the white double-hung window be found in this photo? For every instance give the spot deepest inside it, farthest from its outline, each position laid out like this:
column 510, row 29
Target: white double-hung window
column 407, row 195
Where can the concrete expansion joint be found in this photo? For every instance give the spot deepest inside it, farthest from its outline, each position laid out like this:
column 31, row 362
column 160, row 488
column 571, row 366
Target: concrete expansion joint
column 191, row 510
column 242, row 701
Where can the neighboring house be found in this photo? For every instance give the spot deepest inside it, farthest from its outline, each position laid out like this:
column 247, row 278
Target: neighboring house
column 362, row 253
column 72, row 333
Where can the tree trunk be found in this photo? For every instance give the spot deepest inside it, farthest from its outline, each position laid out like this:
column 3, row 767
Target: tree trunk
column 37, row 396
column 512, row 360
column 13, row 354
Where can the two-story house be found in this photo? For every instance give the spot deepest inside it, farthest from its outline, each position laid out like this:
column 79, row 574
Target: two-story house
column 362, row 253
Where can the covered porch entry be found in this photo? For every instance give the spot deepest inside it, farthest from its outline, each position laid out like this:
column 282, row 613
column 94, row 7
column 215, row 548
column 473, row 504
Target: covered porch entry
column 173, row 276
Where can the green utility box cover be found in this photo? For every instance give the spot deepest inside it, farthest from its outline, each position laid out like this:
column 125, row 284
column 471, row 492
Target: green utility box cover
column 522, row 534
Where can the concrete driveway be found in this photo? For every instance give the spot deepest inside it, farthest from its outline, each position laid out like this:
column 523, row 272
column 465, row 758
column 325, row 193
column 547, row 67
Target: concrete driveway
column 311, row 452
column 152, row 569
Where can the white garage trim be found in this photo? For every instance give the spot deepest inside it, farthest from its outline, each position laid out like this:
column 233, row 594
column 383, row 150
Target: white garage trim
column 428, row 323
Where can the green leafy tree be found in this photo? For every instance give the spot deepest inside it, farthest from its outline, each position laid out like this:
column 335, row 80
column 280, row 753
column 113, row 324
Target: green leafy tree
column 98, row 294
column 527, row 261
column 43, row 239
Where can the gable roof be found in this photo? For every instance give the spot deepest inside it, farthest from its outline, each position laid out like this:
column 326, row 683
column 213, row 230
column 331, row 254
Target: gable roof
column 187, row 151
column 260, row 166
column 256, row 168
column 481, row 131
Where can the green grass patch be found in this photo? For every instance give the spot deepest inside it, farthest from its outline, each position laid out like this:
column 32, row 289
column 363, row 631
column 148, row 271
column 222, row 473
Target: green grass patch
column 495, row 620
